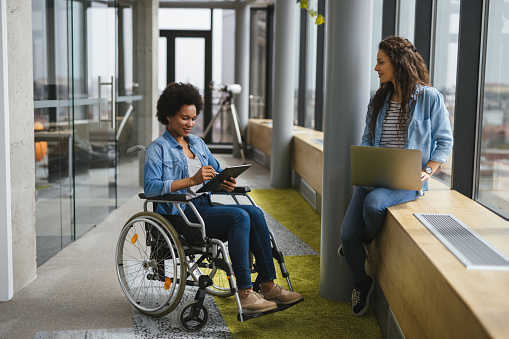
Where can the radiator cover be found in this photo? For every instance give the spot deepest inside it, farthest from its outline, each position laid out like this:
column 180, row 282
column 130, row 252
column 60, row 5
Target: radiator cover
column 470, row 248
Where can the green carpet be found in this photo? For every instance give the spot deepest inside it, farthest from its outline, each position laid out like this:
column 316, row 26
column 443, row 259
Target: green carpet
column 289, row 208
column 315, row 317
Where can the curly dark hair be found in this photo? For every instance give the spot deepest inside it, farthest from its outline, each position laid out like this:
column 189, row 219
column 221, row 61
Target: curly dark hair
column 174, row 96
column 409, row 71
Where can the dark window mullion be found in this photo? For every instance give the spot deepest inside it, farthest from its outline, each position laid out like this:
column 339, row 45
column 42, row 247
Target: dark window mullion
column 389, row 18
column 320, row 53
column 301, row 107
column 467, row 96
column 423, row 28
column 269, row 62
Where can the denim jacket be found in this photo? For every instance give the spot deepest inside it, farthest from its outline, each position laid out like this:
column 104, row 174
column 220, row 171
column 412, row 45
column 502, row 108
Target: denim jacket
column 166, row 162
column 429, row 130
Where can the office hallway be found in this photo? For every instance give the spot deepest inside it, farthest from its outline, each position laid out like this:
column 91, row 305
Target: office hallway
column 77, row 295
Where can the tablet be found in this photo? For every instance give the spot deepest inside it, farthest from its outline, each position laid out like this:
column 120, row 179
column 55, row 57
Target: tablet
column 228, row 172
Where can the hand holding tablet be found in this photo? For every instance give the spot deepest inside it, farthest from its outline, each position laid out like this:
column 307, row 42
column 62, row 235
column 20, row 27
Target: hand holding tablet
column 228, row 172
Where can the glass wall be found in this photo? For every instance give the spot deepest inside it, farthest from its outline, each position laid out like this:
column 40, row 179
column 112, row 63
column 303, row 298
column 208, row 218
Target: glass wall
column 85, row 102
column 128, row 102
column 223, row 71
column 311, row 49
column 52, row 128
column 406, row 19
column 444, row 65
column 258, row 63
column 493, row 161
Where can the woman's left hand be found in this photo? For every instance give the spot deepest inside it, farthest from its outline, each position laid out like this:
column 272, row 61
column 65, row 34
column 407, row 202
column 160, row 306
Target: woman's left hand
column 229, row 185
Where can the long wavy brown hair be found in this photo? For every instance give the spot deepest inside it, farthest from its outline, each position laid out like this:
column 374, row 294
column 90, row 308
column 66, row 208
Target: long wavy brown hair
column 409, row 71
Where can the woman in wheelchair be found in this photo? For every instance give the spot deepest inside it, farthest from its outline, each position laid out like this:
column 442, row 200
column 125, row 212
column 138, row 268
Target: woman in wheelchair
column 180, row 162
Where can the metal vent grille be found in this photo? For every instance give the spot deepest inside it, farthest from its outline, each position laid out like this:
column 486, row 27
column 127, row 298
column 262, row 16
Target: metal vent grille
column 259, row 157
column 472, row 250
column 308, row 193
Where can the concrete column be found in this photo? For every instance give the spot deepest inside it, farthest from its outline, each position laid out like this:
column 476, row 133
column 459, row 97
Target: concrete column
column 347, row 70
column 22, row 150
column 283, row 107
column 146, row 28
column 242, row 23
column 6, row 273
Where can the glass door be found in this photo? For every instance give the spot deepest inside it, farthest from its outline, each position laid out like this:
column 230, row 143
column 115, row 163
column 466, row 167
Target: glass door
column 94, row 79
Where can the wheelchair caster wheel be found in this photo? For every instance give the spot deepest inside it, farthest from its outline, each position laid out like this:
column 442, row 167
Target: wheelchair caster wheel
column 193, row 317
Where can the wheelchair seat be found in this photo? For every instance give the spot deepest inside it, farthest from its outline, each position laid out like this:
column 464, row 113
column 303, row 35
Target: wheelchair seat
column 192, row 235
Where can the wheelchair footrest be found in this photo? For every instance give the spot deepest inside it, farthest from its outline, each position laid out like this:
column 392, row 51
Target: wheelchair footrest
column 280, row 307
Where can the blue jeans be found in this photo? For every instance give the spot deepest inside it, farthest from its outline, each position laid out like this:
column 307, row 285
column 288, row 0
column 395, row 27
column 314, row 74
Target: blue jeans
column 244, row 227
column 363, row 219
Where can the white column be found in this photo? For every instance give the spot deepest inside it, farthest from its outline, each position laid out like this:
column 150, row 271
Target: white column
column 6, row 275
column 242, row 25
column 347, row 69
column 283, row 107
column 21, row 143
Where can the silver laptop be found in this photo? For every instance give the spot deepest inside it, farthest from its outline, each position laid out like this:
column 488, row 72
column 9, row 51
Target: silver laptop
column 386, row 167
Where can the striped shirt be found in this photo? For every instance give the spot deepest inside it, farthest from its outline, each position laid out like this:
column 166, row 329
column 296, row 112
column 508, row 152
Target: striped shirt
column 193, row 166
column 390, row 128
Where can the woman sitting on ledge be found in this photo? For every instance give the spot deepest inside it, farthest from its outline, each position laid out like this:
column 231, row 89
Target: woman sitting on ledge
column 180, row 162
column 405, row 112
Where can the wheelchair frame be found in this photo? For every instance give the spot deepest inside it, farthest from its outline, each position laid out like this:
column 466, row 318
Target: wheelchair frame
column 155, row 262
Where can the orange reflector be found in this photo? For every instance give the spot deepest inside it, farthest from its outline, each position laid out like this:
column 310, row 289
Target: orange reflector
column 167, row 284
column 134, row 238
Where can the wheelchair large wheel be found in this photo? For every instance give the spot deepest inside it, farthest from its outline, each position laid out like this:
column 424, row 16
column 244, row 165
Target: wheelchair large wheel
column 151, row 264
column 220, row 285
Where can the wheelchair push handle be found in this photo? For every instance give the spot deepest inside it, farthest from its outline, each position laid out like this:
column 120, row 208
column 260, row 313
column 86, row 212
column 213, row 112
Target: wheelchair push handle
column 134, row 149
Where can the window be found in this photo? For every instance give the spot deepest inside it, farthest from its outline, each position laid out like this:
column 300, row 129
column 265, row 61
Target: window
column 406, row 19
column 493, row 159
column 184, row 19
column 444, row 65
column 258, row 63
column 311, row 48
column 377, row 37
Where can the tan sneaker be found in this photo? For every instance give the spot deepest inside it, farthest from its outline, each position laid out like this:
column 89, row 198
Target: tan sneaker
column 255, row 303
column 279, row 295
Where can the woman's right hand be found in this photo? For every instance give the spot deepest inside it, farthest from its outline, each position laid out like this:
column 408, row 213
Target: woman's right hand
column 205, row 173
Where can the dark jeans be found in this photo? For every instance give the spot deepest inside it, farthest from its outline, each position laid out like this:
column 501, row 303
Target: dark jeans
column 244, row 227
column 363, row 219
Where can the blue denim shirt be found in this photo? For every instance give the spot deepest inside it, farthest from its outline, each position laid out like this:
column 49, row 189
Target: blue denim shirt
column 166, row 162
column 429, row 130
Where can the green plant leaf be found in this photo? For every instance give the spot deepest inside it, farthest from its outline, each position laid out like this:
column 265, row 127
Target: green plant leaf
column 311, row 12
column 319, row 20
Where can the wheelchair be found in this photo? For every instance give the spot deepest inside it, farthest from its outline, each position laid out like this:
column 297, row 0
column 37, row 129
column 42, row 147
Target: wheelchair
column 158, row 256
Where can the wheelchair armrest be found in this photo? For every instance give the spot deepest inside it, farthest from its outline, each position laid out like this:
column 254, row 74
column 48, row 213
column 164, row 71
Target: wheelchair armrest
column 237, row 190
column 168, row 197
